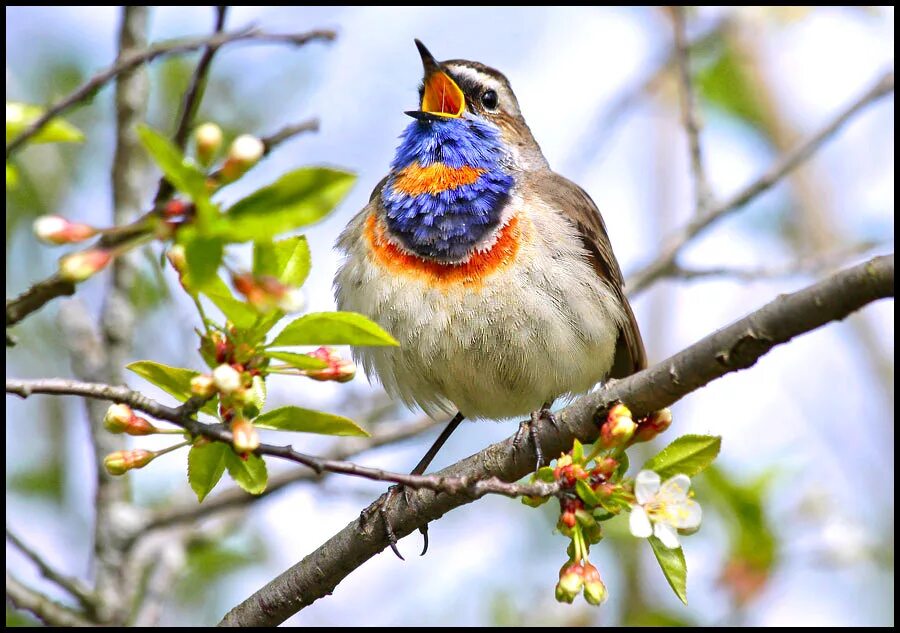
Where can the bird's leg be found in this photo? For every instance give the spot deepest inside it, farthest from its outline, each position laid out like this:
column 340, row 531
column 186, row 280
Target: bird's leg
column 418, row 470
column 532, row 426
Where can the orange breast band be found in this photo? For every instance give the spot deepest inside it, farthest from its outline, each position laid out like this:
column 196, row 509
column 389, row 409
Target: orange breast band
column 437, row 177
column 471, row 272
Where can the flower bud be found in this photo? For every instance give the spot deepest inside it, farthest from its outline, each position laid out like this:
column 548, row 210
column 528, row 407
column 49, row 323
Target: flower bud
column 209, row 139
column 227, row 379
column 605, row 467
column 654, row 424
column 570, row 582
column 117, row 418
column 338, row 370
column 121, row 462
column 618, row 428
column 594, row 589
column 177, row 257
column 56, row 229
column 80, row 266
column 244, row 153
column 203, row 386
column 245, row 438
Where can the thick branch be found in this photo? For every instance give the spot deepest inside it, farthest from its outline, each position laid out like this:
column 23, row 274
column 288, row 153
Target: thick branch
column 133, row 60
column 43, row 608
column 665, row 261
column 735, row 347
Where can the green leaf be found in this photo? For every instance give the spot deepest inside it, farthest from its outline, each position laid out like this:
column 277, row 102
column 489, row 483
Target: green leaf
column 175, row 381
column 265, row 260
column 689, row 455
column 241, row 314
column 672, row 563
column 308, row 421
column 623, row 466
column 587, row 495
column 300, row 361
column 297, row 199
column 203, row 256
column 249, row 474
column 21, row 115
column 545, row 474
column 535, row 502
column 206, row 463
column 257, row 397
column 333, row 328
column 12, row 176
column 728, row 84
column 263, row 324
column 577, row 452
column 294, row 260
column 181, row 173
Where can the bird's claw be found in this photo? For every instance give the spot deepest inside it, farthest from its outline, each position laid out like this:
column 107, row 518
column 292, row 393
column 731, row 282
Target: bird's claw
column 532, row 427
column 380, row 507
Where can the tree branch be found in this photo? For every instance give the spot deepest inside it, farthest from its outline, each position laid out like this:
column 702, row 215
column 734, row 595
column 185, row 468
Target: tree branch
column 70, row 584
column 236, row 498
column 135, row 59
column 732, row 348
column 668, row 253
column 689, row 118
column 45, row 609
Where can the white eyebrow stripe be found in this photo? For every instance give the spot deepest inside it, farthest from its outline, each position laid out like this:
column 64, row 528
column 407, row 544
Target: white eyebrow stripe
column 475, row 75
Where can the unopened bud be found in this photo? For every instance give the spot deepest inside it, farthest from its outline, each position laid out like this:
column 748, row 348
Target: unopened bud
column 83, row 265
column 117, row 418
column 203, row 386
column 654, row 424
column 56, row 229
column 244, row 153
column 245, row 438
column 338, row 370
column 177, row 257
column 226, row 378
column 570, row 582
column 594, row 589
column 618, row 428
column 209, row 139
column 605, row 467
column 121, row 462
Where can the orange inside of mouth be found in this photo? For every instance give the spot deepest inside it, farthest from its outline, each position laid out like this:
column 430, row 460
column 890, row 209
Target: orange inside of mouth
column 442, row 96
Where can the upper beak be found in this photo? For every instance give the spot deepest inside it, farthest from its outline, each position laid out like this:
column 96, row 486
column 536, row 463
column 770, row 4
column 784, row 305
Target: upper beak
column 441, row 98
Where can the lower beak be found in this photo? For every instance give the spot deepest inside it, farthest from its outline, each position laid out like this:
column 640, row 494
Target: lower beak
column 441, row 96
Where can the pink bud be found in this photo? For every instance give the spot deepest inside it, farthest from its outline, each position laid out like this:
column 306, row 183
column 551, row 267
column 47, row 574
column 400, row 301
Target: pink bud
column 594, row 589
column 245, row 438
column 82, row 265
column 654, row 424
column 245, row 151
column 56, row 229
column 618, row 428
column 121, row 462
column 571, row 580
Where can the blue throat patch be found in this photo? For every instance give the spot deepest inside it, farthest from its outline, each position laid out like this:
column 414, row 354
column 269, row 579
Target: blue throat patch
column 446, row 222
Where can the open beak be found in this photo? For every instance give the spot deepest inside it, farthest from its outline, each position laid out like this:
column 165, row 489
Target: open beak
column 441, row 98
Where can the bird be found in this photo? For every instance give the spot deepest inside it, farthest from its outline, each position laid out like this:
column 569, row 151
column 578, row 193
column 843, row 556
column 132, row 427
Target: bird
column 495, row 274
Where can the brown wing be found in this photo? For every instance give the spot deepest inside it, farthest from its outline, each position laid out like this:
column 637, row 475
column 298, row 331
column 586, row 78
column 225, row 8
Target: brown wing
column 574, row 203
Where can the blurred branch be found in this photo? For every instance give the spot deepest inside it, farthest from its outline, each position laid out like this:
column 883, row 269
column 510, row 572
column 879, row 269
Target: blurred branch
column 735, row 347
column 236, row 498
column 45, row 609
column 689, row 118
column 805, row 265
column 70, row 584
column 470, row 487
column 664, row 263
column 170, row 47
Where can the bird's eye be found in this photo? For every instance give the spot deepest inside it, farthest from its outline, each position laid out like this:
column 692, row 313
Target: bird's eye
column 489, row 100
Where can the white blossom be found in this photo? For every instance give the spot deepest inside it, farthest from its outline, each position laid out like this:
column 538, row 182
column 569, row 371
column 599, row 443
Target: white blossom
column 663, row 508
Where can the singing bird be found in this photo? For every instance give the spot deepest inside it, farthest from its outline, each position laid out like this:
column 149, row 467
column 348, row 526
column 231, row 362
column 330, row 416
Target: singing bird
column 495, row 274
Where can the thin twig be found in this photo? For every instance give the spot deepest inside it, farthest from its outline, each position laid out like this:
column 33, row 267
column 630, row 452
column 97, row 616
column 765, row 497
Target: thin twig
column 689, row 118
column 730, row 349
column 169, row 47
column 190, row 102
column 72, row 585
column 664, row 262
column 235, row 498
column 181, row 416
column 42, row 607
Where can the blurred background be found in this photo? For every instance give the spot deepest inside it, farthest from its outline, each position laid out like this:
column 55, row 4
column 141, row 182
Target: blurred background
column 799, row 512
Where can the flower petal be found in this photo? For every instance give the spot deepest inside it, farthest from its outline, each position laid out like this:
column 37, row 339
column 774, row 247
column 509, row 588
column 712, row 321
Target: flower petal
column 667, row 535
column 675, row 489
column 639, row 522
column 685, row 515
column 646, row 485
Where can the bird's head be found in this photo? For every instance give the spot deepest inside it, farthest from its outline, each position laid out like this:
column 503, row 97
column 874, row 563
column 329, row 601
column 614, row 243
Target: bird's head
column 464, row 90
